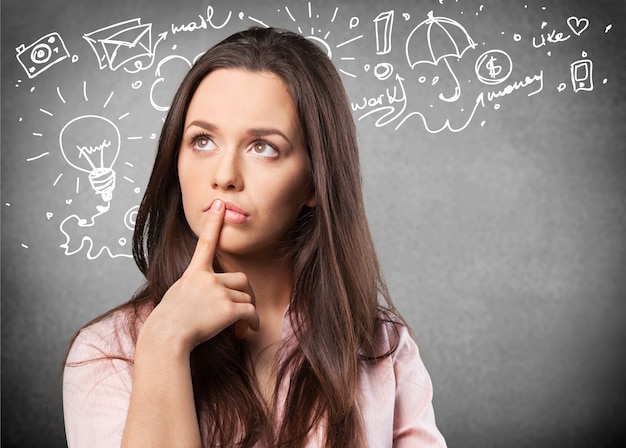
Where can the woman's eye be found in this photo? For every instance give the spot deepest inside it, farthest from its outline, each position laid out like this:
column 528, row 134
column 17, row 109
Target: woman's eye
column 203, row 143
column 264, row 149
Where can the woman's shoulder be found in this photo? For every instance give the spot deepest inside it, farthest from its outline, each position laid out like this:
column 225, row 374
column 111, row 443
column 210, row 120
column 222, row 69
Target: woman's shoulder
column 391, row 336
column 113, row 335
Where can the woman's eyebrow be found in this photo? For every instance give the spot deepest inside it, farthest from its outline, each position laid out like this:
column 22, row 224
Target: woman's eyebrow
column 253, row 132
column 262, row 132
column 203, row 124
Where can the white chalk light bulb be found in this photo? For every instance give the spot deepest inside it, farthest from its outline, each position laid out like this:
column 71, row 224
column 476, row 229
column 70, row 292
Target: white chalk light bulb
column 91, row 144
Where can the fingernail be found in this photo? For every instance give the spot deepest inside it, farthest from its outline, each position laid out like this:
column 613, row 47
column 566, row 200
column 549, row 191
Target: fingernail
column 217, row 206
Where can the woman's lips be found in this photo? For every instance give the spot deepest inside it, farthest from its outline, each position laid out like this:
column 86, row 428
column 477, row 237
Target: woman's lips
column 234, row 214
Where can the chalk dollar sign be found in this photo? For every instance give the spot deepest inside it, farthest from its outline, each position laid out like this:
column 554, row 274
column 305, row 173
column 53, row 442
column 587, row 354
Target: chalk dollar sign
column 494, row 69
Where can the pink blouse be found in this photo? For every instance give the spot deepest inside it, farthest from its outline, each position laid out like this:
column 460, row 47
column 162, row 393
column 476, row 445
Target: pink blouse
column 394, row 394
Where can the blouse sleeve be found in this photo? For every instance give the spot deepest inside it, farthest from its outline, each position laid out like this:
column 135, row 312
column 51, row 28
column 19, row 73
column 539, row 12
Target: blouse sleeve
column 414, row 418
column 97, row 382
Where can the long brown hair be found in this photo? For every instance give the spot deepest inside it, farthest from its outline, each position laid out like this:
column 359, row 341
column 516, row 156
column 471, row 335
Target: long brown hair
column 337, row 292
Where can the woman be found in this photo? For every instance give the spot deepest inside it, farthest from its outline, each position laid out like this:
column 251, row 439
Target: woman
column 259, row 324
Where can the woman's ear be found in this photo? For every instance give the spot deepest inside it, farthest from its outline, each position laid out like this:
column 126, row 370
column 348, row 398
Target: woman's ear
column 312, row 200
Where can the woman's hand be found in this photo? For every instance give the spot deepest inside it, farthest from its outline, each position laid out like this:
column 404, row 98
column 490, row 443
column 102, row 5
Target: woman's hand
column 199, row 305
column 202, row 303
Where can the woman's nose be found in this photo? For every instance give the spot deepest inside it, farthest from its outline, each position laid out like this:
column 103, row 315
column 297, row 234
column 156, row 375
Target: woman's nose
column 227, row 172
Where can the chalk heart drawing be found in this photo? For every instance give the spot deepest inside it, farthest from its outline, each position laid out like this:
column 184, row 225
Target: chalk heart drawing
column 578, row 26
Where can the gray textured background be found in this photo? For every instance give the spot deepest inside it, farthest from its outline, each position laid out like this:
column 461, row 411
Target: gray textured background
column 503, row 244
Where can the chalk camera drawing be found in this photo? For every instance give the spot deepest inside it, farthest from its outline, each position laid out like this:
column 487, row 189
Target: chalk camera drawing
column 42, row 54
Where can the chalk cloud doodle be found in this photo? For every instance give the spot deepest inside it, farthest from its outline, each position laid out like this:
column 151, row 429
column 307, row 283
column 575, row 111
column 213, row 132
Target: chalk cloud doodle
column 429, row 65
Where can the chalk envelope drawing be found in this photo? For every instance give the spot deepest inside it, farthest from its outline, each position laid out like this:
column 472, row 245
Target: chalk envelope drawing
column 436, row 39
column 118, row 44
column 42, row 54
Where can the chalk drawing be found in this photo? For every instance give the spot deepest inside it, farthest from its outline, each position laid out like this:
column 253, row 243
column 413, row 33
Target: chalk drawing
column 205, row 22
column 160, row 79
column 120, row 44
column 437, row 39
column 578, row 26
column 384, row 29
column 320, row 34
column 78, row 238
column 493, row 67
column 551, row 37
column 94, row 152
column 42, row 54
column 582, row 75
column 385, row 103
column 447, row 126
column 411, row 58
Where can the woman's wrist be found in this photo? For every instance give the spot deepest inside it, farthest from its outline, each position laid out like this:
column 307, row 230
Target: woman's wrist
column 163, row 338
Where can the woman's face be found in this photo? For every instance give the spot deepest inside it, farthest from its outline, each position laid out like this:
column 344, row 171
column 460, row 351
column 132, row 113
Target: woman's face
column 242, row 143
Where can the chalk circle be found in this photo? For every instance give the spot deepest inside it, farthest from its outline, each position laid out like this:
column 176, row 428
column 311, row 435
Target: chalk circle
column 241, row 15
column 136, row 85
column 383, row 71
column 137, row 190
column 435, row 80
column 122, row 241
column 517, row 37
column 422, row 79
column 130, row 217
column 561, row 87
column 366, row 67
column 485, row 67
column 41, row 54
column 75, row 58
column 496, row 106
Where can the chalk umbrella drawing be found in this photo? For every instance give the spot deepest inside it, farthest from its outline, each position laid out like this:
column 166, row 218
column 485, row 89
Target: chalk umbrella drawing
column 436, row 39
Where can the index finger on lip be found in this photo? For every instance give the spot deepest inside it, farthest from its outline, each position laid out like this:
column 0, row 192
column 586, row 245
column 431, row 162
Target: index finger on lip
column 207, row 240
